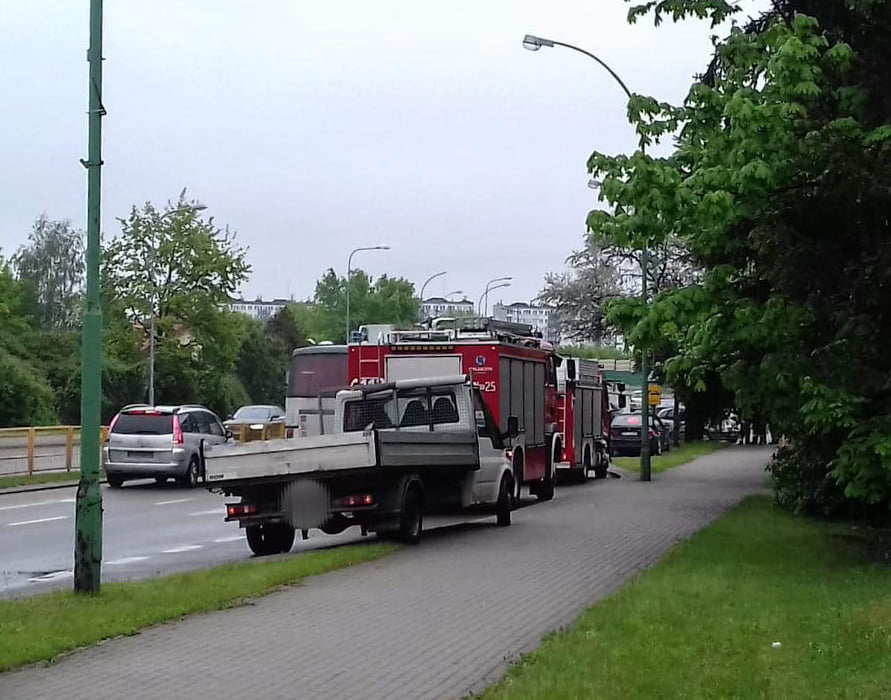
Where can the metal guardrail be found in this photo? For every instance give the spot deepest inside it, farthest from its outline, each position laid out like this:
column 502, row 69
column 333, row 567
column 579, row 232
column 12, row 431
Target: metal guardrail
column 32, row 450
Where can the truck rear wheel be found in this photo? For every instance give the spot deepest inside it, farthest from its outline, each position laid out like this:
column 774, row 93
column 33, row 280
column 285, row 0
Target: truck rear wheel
column 270, row 538
column 586, row 467
column 411, row 519
column 505, row 501
column 545, row 490
column 601, row 466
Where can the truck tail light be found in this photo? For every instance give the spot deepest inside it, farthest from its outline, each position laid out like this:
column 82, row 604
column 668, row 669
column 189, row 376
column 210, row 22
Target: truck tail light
column 240, row 510
column 177, row 431
column 362, row 499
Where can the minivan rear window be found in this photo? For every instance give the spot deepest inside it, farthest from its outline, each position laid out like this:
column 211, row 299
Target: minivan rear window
column 144, row 424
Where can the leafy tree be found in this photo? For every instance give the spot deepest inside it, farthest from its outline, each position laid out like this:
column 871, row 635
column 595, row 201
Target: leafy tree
column 52, row 265
column 262, row 364
column 780, row 186
column 25, row 396
column 579, row 295
column 385, row 300
column 181, row 270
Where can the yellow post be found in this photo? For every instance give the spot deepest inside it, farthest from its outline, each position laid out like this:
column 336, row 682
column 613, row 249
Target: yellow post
column 69, row 447
column 31, row 432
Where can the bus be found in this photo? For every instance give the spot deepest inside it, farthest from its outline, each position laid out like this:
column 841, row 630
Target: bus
column 316, row 374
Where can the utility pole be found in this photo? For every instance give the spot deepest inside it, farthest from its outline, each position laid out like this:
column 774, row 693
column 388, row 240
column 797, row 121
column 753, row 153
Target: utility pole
column 88, row 507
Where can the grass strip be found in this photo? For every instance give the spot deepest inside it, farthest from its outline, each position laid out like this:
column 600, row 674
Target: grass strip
column 686, row 452
column 703, row 622
column 46, row 478
column 41, row 627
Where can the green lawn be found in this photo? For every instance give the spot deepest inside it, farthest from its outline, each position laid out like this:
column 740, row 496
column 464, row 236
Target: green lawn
column 701, row 624
column 686, row 452
column 44, row 478
column 42, row 627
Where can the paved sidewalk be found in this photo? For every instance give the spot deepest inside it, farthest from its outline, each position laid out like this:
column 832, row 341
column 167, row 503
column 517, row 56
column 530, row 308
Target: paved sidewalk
column 435, row 621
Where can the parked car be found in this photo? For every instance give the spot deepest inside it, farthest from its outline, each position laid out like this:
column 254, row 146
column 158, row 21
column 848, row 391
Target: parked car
column 256, row 414
column 666, row 413
column 625, row 434
column 258, row 422
column 160, row 442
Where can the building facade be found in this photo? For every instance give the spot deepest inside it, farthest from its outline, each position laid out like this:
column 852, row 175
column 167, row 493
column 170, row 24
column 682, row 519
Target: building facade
column 543, row 319
column 439, row 306
column 258, row 308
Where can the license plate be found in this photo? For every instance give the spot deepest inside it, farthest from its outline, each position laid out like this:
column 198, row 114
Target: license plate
column 137, row 455
column 629, row 433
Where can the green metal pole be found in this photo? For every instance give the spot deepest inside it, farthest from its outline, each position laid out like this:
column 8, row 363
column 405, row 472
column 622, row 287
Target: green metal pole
column 88, row 538
column 645, row 384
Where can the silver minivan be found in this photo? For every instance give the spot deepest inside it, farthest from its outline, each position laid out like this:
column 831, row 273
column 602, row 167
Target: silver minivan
column 160, row 442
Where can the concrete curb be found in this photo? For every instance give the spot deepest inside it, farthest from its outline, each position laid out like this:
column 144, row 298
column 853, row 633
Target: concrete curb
column 49, row 486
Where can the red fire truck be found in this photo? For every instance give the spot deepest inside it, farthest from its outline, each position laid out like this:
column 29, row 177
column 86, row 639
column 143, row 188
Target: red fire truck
column 515, row 375
column 583, row 420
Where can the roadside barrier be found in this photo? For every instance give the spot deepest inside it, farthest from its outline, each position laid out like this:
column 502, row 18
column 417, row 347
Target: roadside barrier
column 33, row 450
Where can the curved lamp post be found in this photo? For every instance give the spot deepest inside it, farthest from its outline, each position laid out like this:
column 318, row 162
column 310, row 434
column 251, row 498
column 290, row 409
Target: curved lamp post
column 534, row 43
column 423, row 287
column 490, row 286
column 193, row 208
column 382, row 246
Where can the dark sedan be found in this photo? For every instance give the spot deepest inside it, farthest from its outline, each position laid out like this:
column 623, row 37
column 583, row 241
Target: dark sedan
column 625, row 435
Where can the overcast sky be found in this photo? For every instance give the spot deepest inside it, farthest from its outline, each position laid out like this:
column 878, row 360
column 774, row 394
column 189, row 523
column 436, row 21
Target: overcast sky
column 311, row 128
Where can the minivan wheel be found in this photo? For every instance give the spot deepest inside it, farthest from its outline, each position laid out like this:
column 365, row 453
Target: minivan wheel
column 190, row 478
column 114, row 480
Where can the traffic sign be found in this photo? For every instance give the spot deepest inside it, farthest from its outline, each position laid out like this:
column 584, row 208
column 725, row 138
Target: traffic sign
column 654, row 395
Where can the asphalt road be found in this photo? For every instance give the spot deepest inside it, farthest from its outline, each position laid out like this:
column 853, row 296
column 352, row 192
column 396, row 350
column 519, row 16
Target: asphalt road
column 148, row 530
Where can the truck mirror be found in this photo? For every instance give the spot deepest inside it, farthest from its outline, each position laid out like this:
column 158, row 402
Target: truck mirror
column 513, row 427
column 622, row 401
column 570, row 369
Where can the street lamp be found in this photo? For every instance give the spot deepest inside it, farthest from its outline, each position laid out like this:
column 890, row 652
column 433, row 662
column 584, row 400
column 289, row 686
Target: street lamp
column 192, row 208
column 349, row 273
column 424, row 286
column 489, row 288
column 451, row 294
column 534, row 43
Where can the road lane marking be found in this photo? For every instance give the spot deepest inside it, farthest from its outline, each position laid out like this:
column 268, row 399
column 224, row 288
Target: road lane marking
column 39, row 520
column 183, row 548
column 124, row 560
column 233, row 538
column 37, row 503
column 215, row 511
column 172, row 501
column 50, row 576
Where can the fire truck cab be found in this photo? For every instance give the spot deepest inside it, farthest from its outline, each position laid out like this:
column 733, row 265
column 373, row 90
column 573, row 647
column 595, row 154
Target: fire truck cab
column 514, row 373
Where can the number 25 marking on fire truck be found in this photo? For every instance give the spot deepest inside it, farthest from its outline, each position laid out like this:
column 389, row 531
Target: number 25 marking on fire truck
column 487, row 387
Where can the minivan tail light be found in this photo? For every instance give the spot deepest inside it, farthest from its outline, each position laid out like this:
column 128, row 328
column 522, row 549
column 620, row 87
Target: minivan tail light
column 177, row 431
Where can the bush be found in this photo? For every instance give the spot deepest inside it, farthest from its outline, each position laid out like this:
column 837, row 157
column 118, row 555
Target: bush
column 25, row 396
column 803, row 481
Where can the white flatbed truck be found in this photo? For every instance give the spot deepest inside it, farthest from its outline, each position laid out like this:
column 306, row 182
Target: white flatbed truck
column 401, row 449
